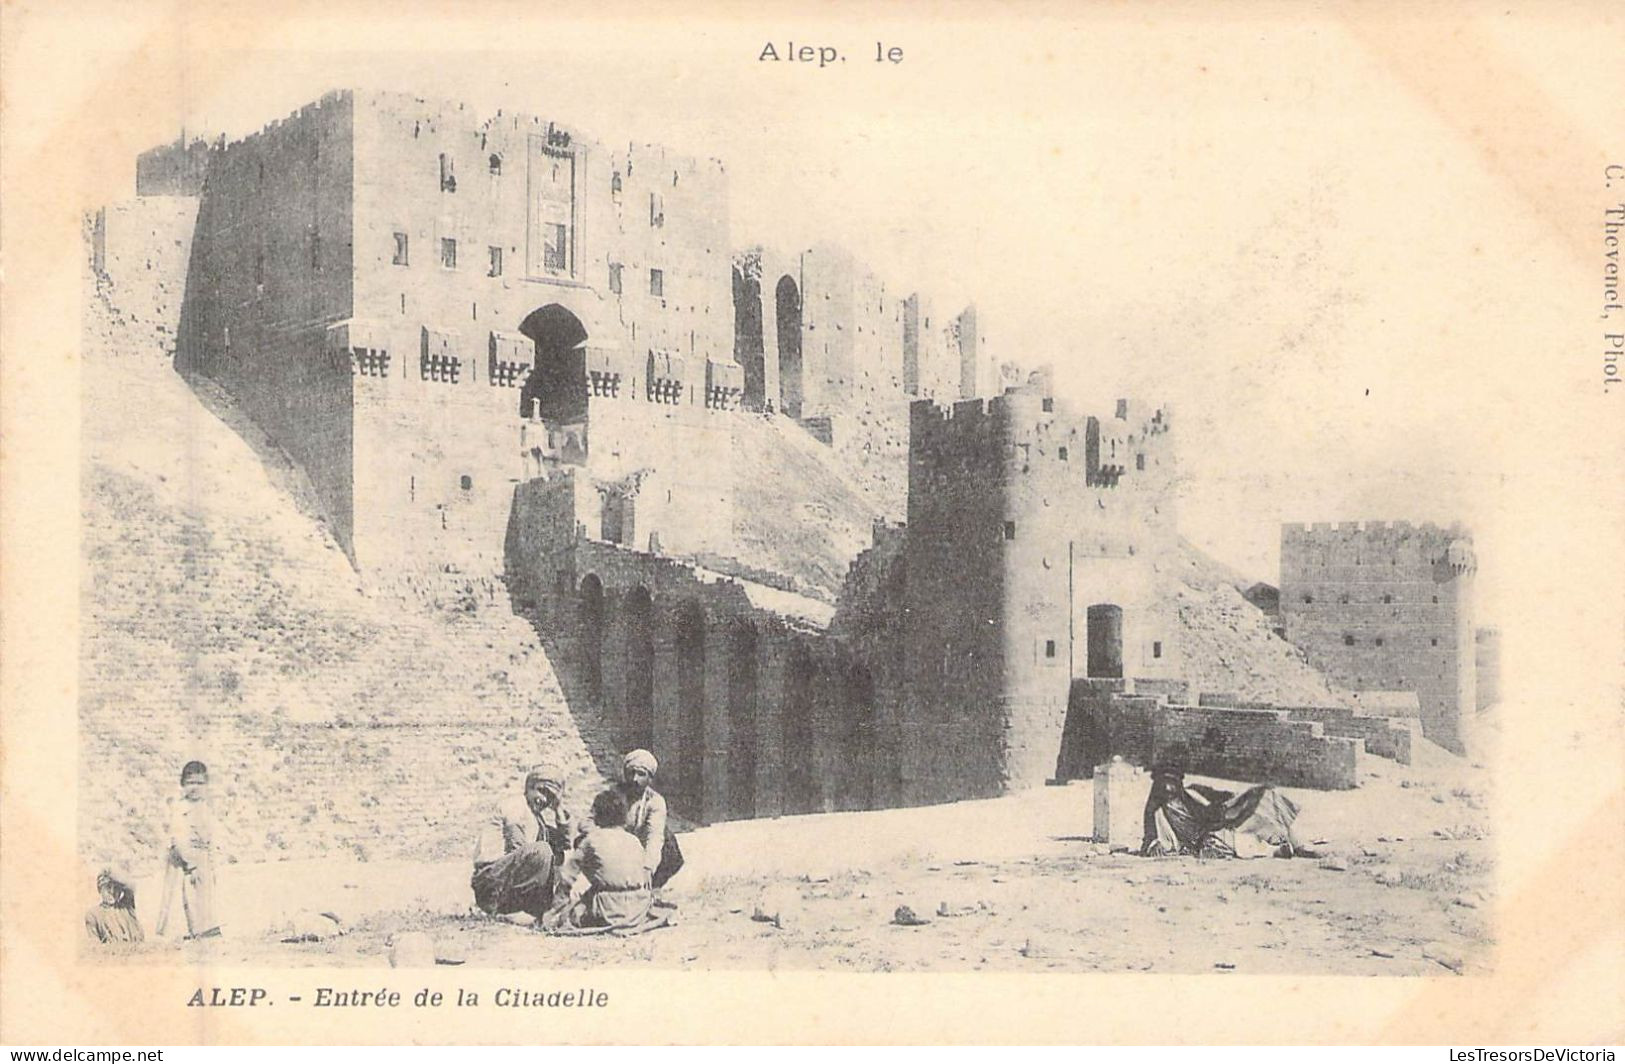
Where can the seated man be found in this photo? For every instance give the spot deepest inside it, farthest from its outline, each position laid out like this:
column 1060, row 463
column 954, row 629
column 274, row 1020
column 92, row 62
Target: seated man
column 1210, row 822
column 646, row 817
column 604, row 882
column 114, row 919
column 521, row 846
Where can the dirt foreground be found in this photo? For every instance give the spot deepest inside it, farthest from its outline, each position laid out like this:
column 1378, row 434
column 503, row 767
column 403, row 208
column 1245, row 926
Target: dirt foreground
column 1011, row 884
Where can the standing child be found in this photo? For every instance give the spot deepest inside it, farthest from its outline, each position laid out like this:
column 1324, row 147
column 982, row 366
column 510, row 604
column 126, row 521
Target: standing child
column 189, row 861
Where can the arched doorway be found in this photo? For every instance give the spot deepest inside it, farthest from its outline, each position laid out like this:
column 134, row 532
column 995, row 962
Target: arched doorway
column 796, row 733
column 1105, row 636
column 690, row 642
column 590, row 614
column 640, row 670
column 787, row 302
column 748, row 343
column 559, row 379
column 742, row 703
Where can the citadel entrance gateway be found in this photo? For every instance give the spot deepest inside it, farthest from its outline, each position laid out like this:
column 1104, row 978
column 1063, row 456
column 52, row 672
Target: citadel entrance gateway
column 1105, row 641
column 557, row 389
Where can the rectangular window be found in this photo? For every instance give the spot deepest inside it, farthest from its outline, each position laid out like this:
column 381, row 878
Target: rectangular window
column 1348, row 640
column 555, row 247
column 1009, row 530
column 400, row 249
column 657, row 211
column 448, row 253
column 1049, row 648
column 1049, row 405
column 1139, row 461
column 1063, row 454
column 657, row 283
column 1379, row 640
column 615, row 277
column 448, row 180
column 1156, row 649
column 496, row 263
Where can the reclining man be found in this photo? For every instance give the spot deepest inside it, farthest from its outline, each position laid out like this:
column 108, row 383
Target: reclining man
column 1210, row 822
column 521, row 847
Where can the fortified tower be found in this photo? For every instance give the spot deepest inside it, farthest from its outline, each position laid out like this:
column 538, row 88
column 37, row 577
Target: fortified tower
column 1033, row 533
column 425, row 309
column 1385, row 606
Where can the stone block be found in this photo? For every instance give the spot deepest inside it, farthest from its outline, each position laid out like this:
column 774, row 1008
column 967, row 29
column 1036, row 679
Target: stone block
column 1120, row 790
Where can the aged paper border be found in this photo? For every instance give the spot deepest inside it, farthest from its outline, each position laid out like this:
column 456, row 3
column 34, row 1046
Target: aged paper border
column 1559, row 804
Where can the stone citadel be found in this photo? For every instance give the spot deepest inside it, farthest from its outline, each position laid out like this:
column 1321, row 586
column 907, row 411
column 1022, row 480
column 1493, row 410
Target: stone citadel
column 501, row 349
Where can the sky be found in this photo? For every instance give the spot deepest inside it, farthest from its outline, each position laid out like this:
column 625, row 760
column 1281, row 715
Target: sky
column 1326, row 244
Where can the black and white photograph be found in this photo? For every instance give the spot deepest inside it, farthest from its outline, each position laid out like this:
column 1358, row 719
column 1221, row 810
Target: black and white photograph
column 856, row 495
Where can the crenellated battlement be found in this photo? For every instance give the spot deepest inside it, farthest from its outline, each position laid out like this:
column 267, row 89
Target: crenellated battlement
column 1386, row 606
column 1365, row 543
column 1038, row 432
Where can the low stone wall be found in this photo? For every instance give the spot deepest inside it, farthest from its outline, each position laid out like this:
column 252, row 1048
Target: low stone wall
column 1254, row 745
column 1384, row 736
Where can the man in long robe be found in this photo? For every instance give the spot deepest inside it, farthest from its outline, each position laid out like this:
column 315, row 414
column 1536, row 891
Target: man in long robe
column 521, row 846
column 646, row 817
column 1210, row 822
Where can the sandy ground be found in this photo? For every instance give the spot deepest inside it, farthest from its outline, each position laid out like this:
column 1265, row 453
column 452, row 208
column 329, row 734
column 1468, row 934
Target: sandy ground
column 1012, row 883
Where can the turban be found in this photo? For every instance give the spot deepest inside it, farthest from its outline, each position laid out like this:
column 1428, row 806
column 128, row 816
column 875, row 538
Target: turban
column 641, row 759
column 545, row 774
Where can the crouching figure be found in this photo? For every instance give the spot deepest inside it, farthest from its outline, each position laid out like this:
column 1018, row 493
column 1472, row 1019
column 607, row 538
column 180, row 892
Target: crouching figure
column 604, row 881
column 1210, row 822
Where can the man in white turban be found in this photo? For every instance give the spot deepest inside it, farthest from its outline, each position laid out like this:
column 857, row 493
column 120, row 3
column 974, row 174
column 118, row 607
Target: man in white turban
column 646, row 817
column 521, row 846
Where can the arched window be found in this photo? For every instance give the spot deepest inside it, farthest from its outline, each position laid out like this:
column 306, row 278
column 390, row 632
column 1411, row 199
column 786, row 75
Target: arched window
column 496, row 164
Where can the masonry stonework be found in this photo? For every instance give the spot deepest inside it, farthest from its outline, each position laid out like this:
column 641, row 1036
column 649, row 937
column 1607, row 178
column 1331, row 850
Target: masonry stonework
column 500, row 348
column 1386, row 607
column 1033, row 531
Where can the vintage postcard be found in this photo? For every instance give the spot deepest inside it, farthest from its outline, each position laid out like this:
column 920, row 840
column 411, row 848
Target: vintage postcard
column 1029, row 523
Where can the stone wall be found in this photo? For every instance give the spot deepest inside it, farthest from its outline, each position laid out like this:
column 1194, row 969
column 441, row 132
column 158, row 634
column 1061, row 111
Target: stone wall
column 537, row 218
column 1386, row 607
column 1487, row 667
column 1280, row 747
column 390, row 285
column 270, row 272
column 751, row 709
column 824, row 339
column 139, row 251
column 1025, row 516
column 176, row 169
column 433, row 171
column 1389, row 737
